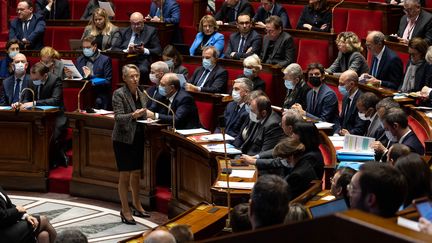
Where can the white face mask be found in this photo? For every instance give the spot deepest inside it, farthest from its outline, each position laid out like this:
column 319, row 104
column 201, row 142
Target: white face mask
column 153, row 78
column 253, row 116
column 19, row 68
column 363, row 117
column 236, row 96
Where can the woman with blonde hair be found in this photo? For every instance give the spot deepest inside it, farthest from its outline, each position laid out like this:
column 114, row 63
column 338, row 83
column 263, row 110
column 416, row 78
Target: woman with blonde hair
column 102, row 29
column 207, row 36
column 349, row 56
column 251, row 68
column 51, row 58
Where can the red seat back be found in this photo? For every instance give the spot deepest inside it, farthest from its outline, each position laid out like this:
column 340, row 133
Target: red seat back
column 312, row 51
column 404, row 57
column 428, row 4
column 340, row 19
column 294, row 12
column 124, row 8
column 116, row 73
column 205, row 112
column 338, row 94
column 70, row 98
column 361, row 21
column 418, row 129
column 66, row 33
column 186, row 15
column 77, row 8
column 191, row 67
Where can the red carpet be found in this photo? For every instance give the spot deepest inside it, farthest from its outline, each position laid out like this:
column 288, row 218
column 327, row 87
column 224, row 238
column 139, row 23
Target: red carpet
column 59, row 179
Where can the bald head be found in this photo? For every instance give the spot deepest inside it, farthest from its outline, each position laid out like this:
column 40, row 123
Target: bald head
column 20, row 56
column 375, row 42
column 137, row 22
column 349, row 80
column 160, row 236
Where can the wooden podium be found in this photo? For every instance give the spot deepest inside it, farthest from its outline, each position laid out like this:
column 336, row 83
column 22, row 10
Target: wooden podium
column 24, row 153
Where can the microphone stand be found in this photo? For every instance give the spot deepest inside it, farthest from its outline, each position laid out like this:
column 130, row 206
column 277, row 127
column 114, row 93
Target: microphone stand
column 79, row 96
column 334, row 7
column 33, row 96
column 162, row 104
column 227, row 227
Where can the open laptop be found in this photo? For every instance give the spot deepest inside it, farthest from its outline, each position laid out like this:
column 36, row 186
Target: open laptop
column 75, row 44
column 328, row 208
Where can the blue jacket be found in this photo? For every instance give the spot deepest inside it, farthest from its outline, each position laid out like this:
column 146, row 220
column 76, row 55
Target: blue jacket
column 4, row 64
column 170, row 11
column 326, row 107
column 216, row 40
column 36, row 30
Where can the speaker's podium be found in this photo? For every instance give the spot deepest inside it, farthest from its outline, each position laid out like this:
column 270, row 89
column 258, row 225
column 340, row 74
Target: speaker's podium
column 24, row 150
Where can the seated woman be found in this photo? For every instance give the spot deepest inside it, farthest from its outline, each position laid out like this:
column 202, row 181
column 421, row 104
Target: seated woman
column 251, row 68
column 207, row 36
column 91, row 6
column 12, row 48
column 172, row 57
column 418, row 72
column 298, row 171
column 417, row 175
column 307, row 133
column 316, row 16
column 51, row 58
column 16, row 225
column 102, row 29
column 340, row 181
column 349, row 56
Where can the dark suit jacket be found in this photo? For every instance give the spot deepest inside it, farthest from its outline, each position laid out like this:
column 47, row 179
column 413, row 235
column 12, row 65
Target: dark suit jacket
column 216, row 81
column 36, row 30
column 260, row 137
column 352, row 121
column 297, row 95
column 326, row 108
column 170, row 10
column 423, row 76
column 4, row 67
column 59, row 9
column 253, row 40
column 184, row 107
column 149, row 37
column 356, row 62
column 300, row 177
column 6, row 95
column 9, row 215
column 226, row 15
column 316, row 19
column 423, row 27
column 414, row 143
column 390, row 70
column 51, row 93
column 152, row 91
column 234, row 120
column 375, row 130
column 283, row 52
column 278, row 10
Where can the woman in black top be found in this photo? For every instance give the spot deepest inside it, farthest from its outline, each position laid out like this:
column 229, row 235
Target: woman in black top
column 316, row 16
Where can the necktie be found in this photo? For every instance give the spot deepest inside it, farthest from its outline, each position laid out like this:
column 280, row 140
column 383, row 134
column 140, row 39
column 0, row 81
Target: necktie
column 203, row 78
column 137, row 39
column 374, row 66
column 26, row 28
column 39, row 87
column 241, row 45
column 16, row 91
column 347, row 106
column 157, row 12
column 314, row 99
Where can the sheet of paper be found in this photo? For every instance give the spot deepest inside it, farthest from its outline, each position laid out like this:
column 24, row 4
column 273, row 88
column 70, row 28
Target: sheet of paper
column 322, row 125
column 107, row 7
column 407, row 223
column 235, row 185
column 102, row 111
column 217, row 137
column 148, row 121
column 5, row 108
column 357, row 143
column 243, row 173
column 219, row 148
column 187, row 132
column 71, row 66
column 328, row 198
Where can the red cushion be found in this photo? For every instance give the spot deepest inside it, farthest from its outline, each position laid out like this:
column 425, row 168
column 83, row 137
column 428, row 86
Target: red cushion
column 66, row 33
column 361, row 21
column 312, row 51
column 191, row 67
column 428, row 4
column 226, row 35
column 48, row 37
column 404, row 57
column 205, row 111
column 326, row 155
column 124, row 8
column 189, row 34
column 294, row 13
column 418, row 129
column 218, row 4
column 77, row 8
column 338, row 94
column 70, row 98
column 340, row 19
column 116, row 72
column 186, row 15
column 233, row 73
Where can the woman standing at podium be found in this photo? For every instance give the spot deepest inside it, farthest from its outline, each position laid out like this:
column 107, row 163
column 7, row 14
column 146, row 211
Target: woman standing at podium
column 128, row 141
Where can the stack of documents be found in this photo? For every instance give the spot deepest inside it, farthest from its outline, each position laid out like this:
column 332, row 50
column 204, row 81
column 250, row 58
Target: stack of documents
column 217, row 137
column 187, row 132
column 235, row 185
column 219, row 148
column 356, row 149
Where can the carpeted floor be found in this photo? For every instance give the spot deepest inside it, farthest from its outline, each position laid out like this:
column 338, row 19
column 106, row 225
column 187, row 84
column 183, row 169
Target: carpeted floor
column 99, row 224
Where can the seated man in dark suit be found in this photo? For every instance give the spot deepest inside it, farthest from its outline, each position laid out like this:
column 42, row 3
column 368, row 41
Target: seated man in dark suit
column 53, row 9
column 13, row 85
column 297, row 88
column 278, row 46
column 245, row 42
column 366, row 106
column 415, row 23
column 396, row 127
column 377, row 188
column 180, row 102
column 262, row 132
column 269, row 8
column 387, row 68
column 269, row 201
column 28, row 27
column 142, row 40
column 350, row 122
column 235, row 113
column 92, row 64
column 210, row 77
column 171, row 14
column 322, row 102
column 231, row 9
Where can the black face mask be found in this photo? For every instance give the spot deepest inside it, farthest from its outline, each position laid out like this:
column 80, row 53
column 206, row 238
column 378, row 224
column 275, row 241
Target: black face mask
column 315, row 81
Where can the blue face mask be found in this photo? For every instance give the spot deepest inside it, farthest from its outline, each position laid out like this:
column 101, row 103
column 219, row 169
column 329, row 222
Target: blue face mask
column 248, row 72
column 170, row 64
column 207, row 64
column 12, row 54
column 343, row 90
column 247, row 108
column 289, row 84
column 88, row 52
column 162, row 90
column 37, row 82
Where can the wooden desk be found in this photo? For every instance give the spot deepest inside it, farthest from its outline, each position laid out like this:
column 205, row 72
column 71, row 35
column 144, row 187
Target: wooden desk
column 95, row 173
column 24, row 154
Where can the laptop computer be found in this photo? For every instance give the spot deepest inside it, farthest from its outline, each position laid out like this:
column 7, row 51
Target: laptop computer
column 327, row 208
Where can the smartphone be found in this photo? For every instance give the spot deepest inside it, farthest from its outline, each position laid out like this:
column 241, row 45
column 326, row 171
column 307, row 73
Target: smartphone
column 424, row 207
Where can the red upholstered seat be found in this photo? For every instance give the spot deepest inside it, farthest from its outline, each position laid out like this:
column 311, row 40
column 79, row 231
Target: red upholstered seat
column 218, row 4
column 428, row 4
column 77, row 8
column 116, row 73
column 233, row 73
column 124, row 8
column 404, row 57
column 338, row 94
column 62, row 34
column 205, row 112
column 189, row 33
column 340, row 19
column 418, row 129
column 191, row 67
column 70, row 98
column 361, row 21
column 310, row 51
column 255, row 5
column 294, row 12
column 358, row 1
column 48, row 37
column 186, row 15
column 226, row 35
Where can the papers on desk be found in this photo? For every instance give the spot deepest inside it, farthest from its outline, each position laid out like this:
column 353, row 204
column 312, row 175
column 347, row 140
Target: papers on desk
column 148, row 121
column 219, row 148
column 358, row 143
column 243, row 173
column 424, row 108
column 103, row 112
column 408, row 223
column 324, row 125
column 217, row 137
column 107, row 7
column 328, row 198
column 44, row 107
column 337, row 141
column 76, row 75
column 235, row 185
column 187, row 132
column 5, row 108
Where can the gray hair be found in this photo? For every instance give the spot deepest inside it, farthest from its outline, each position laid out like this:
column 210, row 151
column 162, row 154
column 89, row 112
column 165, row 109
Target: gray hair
column 378, row 37
column 160, row 66
column 292, row 117
column 429, row 55
column 294, row 70
column 248, row 84
column 126, row 68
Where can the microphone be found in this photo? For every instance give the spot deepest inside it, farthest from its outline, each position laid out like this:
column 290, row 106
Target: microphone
column 162, row 104
column 20, row 99
column 221, row 121
column 79, row 96
column 332, row 23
